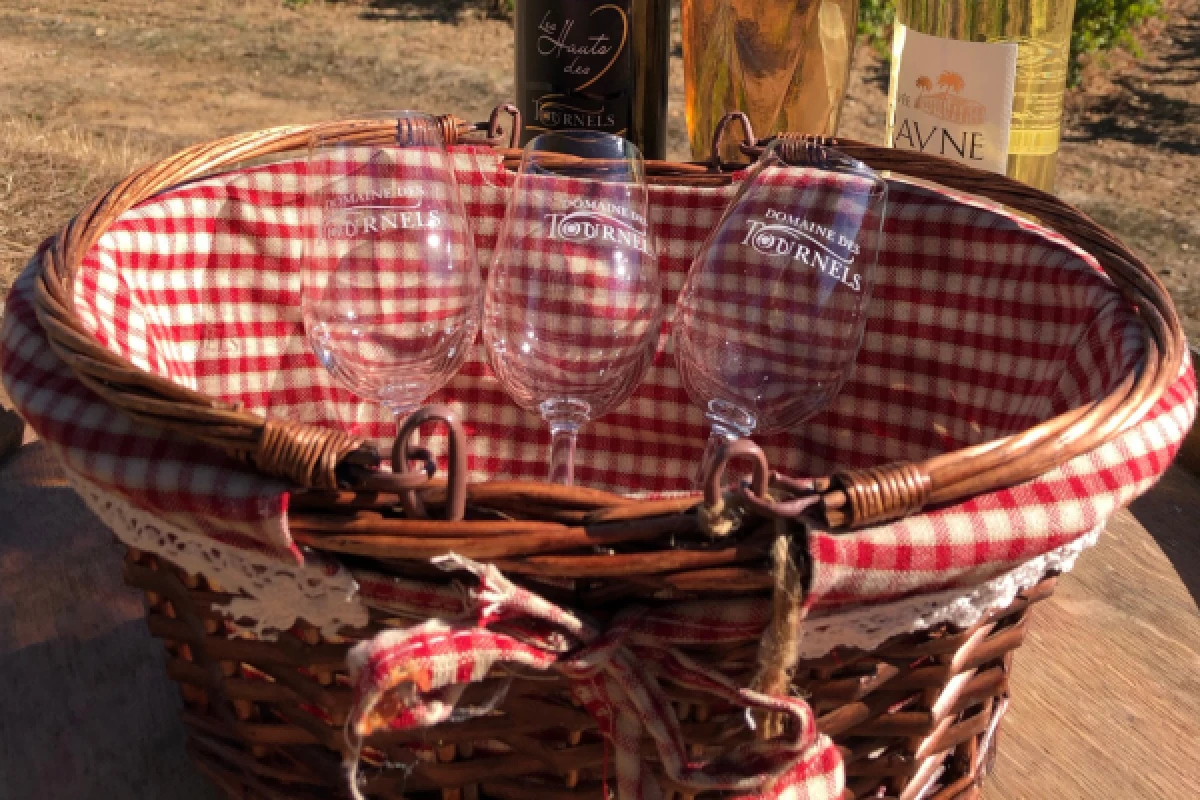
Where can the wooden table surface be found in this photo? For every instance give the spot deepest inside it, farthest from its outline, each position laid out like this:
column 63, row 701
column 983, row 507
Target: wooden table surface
column 1106, row 689
column 1106, row 698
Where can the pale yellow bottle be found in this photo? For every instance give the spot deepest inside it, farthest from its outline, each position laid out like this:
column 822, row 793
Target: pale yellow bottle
column 784, row 63
column 982, row 81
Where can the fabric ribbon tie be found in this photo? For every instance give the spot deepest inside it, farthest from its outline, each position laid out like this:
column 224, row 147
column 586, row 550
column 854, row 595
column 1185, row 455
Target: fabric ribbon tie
column 415, row 677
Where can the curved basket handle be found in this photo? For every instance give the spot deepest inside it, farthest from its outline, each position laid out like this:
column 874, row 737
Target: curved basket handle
column 321, row 458
column 854, row 498
column 307, row 456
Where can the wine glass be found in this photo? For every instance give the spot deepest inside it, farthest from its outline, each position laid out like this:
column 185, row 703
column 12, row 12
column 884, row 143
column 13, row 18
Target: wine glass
column 390, row 286
column 573, row 308
column 771, row 315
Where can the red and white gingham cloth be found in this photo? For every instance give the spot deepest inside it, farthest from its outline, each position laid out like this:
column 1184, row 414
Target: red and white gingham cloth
column 981, row 324
column 413, row 678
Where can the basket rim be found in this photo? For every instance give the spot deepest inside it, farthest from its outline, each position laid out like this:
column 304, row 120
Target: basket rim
column 318, row 458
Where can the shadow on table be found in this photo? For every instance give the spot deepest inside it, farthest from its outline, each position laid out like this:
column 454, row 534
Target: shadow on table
column 99, row 720
column 87, row 711
column 1171, row 514
column 1138, row 113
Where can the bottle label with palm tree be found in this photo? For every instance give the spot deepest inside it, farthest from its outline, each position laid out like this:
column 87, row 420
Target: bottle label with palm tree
column 953, row 98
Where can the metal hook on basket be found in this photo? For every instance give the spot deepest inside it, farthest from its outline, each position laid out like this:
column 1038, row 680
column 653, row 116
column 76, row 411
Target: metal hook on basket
column 714, row 159
column 739, row 448
column 456, row 456
column 495, row 130
column 714, row 514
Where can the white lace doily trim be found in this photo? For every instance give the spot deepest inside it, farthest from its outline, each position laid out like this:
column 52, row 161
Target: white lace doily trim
column 868, row 627
column 272, row 595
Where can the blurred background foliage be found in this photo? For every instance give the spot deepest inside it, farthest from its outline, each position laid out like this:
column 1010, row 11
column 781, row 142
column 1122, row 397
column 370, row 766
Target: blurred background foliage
column 1099, row 25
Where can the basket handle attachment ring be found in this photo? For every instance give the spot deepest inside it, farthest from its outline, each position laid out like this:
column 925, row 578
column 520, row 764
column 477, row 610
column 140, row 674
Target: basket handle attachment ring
column 739, row 448
column 714, row 158
column 716, row 517
column 490, row 134
column 495, row 130
column 456, row 456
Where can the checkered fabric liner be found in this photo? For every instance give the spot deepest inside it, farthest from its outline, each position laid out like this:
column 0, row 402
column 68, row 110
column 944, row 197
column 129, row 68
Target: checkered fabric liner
column 981, row 324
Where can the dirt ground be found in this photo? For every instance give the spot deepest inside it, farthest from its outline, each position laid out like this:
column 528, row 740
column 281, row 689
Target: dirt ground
column 91, row 88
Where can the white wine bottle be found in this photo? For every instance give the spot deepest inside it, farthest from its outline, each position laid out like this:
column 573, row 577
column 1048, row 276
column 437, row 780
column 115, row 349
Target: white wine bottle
column 595, row 64
column 784, row 63
column 981, row 81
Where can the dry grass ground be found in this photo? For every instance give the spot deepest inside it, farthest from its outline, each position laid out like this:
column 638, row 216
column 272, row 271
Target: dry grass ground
column 47, row 172
column 90, row 90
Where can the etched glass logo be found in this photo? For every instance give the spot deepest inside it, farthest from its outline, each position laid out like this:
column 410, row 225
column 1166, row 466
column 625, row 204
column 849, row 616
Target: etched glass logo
column 377, row 211
column 599, row 222
column 818, row 247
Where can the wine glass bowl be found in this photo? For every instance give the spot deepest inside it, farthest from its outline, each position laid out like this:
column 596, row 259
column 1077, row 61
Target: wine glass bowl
column 772, row 313
column 390, row 286
column 573, row 308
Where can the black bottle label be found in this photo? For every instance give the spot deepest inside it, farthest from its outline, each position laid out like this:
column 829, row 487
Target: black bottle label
column 577, row 65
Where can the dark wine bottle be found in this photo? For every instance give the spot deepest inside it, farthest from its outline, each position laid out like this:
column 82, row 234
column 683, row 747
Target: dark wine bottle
column 595, row 64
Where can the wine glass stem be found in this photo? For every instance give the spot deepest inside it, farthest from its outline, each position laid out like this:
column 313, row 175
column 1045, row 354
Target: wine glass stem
column 562, row 454
column 719, row 437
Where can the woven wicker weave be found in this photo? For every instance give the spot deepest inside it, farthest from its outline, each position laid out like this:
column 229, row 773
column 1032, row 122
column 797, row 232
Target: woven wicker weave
column 254, row 710
column 915, row 718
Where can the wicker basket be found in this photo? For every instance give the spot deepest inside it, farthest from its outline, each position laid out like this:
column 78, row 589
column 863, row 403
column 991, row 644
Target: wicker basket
column 899, row 729
column 915, row 717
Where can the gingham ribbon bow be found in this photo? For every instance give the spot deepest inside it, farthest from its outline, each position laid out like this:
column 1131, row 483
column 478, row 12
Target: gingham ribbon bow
column 415, row 677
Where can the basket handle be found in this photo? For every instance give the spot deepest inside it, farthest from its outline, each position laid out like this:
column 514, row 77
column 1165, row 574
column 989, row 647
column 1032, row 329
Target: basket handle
column 323, row 458
column 310, row 457
column 855, row 498
column 863, row 497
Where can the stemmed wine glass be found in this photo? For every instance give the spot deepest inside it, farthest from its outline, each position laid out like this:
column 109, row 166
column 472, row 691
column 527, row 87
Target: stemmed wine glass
column 573, row 308
column 390, row 286
column 771, row 315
